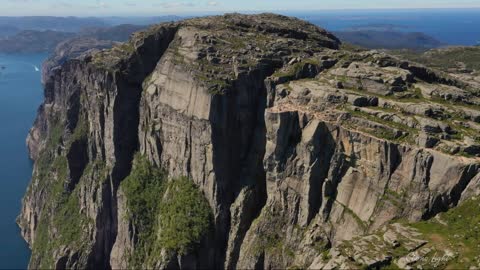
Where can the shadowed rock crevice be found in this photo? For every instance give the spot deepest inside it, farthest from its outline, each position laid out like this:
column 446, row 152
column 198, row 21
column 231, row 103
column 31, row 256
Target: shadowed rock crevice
column 77, row 161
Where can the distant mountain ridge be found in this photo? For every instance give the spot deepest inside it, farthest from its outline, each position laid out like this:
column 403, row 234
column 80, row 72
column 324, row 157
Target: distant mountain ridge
column 33, row 41
column 6, row 30
column 43, row 34
column 13, row 25
column 65, row 24
column 389, row 39
column 372, row 36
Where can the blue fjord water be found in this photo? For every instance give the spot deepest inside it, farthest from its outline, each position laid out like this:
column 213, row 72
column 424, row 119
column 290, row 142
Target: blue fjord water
column 450, row 26
column 20, row 95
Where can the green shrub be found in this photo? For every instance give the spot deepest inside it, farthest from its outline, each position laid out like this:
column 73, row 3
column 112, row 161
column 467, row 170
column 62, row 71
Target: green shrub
column 184, row 216
column 143, row 189
column 167, row 215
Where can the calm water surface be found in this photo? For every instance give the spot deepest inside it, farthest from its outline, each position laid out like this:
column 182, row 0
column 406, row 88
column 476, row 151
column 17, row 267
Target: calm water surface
column 450, row 26
column 20, row 95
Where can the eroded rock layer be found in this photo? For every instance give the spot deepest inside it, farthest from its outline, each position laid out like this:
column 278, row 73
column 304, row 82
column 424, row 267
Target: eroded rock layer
column 298, row 145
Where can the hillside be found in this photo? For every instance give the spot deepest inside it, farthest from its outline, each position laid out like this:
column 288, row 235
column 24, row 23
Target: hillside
column 251, row 142
column 34, row 41
column 29, row 41
column 454, row 59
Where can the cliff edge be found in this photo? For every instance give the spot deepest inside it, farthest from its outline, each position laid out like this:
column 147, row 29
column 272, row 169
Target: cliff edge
column 257, row 141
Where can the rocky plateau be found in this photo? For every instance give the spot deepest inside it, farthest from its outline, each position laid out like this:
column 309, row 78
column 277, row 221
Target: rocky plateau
column 309, row 154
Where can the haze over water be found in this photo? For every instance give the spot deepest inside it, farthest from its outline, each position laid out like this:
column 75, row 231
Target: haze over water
column 20, row 95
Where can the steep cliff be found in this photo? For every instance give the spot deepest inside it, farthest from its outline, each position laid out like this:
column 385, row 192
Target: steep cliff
column 262, row 143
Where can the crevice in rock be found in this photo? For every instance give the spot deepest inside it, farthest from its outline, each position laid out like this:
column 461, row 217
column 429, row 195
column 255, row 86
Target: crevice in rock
column 394, row 158
column 338, row 169
column 77, row 158
column 444, row 202
column 77, row 155
column 468, row 174
column 246, row 140
column 324, row 148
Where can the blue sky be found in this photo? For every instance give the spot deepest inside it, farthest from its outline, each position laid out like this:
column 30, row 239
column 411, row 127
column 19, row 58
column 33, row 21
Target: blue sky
column 172, row 7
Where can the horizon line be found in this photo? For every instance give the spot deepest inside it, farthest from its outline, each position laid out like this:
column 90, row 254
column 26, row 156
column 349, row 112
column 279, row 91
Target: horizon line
column 206, row 12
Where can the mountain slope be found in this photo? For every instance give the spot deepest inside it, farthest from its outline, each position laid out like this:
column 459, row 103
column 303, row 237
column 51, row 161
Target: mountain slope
column 454, row 59
column 295, row 144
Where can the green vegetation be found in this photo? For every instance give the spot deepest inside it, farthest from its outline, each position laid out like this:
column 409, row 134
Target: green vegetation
column 272, row 239
column 143, row 188
column 81, row 130
column 170, row 215
column 178, row 58
column 458, row 230
column 412, row 96
column 351, row 47
column 47, row 155
column 207, row 73
column 392, row 197
column 62, row 222
column 55, row 135
column 184, row 217
column 42, row 248
column 446, row 59
column 296, row 68
column 126, row 47
column 110, row 58
column 386, row 133
column 271, row 228
column 350, row 212
column 70, row 221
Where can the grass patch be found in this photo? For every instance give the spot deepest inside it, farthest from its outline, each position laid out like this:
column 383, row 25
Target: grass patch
column 446, row 59
column 296, row 68
column 385, row 133
column 460, row 232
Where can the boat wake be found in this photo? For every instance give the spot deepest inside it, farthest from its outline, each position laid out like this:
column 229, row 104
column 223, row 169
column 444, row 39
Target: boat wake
column 37, row 69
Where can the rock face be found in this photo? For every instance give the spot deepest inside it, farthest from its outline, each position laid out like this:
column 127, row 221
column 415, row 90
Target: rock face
column 297, row 144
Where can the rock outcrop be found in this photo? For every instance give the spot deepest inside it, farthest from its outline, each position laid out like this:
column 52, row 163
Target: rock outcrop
column 297, row 144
